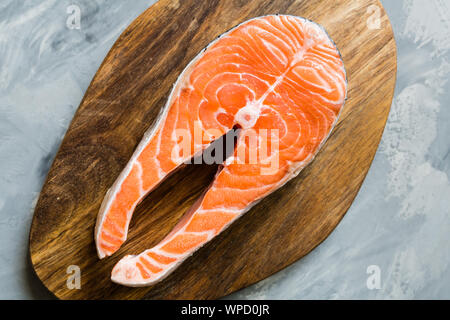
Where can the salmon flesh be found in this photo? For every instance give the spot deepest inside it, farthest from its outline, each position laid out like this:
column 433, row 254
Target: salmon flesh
column 281, row 82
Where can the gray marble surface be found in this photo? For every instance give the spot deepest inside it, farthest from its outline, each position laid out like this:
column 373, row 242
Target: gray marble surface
column 399, row 224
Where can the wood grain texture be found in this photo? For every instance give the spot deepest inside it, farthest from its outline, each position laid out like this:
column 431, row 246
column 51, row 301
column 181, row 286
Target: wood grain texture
column 125, row 97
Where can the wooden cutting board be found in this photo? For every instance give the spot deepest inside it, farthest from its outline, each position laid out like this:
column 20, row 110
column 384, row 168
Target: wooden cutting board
column 123, row 100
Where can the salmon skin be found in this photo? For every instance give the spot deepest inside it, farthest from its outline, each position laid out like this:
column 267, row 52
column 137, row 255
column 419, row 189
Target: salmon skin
column 278, row 78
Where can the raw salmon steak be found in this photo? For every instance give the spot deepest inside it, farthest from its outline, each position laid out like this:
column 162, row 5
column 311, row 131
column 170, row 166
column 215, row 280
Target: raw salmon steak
column 281, row 82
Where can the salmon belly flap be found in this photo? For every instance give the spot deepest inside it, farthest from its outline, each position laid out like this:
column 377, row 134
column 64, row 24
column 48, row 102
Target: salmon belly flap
column 280, row 80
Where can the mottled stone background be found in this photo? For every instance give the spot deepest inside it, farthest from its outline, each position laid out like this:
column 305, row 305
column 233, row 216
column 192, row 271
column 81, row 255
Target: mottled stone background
column 399, row 222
